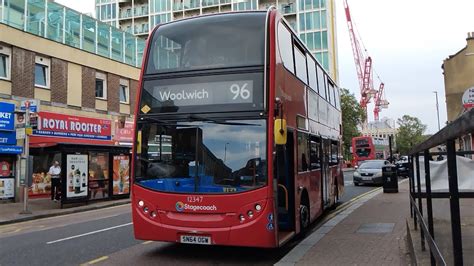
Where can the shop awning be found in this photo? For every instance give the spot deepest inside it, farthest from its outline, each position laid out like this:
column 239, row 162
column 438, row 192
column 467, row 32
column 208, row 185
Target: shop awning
column 41, row 142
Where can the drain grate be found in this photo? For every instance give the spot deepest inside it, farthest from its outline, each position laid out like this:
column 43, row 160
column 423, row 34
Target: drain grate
column 376, row 228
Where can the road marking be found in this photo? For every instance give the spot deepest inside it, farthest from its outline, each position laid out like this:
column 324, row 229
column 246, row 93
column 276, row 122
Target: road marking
column 95, row 261
column 147, row 242
column 86, row 234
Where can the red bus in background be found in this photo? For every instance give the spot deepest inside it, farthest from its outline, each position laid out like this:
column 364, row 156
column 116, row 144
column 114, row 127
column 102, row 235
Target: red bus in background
column 237, row 133
column 369, row 148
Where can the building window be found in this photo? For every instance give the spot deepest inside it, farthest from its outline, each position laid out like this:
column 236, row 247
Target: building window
column 5, row 66
column 100, row 86
column 124, row 93
column 42, row 67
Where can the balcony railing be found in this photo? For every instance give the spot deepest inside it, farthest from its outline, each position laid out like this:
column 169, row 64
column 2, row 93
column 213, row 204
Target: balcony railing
column 64, row 25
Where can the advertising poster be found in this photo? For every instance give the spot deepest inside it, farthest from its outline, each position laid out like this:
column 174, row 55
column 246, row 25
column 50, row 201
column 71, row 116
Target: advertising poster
column 7, row 188
column 121, row 174
column 98, row 175
column 76, row 176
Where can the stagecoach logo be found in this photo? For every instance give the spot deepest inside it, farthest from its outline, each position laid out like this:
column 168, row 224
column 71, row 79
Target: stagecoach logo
column 184, row 206
column 179, row 206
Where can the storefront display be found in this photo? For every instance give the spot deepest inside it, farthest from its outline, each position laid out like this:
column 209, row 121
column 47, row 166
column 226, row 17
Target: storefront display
column 76, row 176
column 121, row 176
column 98, row 175
column 41, row 178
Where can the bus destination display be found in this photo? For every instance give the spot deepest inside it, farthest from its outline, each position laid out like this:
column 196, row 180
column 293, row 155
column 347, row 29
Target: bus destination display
column 211, row 93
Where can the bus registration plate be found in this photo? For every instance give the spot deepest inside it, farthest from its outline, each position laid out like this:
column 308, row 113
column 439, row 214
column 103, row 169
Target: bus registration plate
column 201, row 240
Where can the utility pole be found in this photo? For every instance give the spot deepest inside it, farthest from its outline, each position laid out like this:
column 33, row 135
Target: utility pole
column 437, row 109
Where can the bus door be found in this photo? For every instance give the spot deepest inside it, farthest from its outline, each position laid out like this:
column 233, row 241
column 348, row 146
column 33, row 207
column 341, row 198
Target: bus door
column 284, row 171
column 325, row 171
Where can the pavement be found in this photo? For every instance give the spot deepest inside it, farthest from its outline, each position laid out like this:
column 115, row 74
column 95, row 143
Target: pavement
column 45, row 207
column 369, row 230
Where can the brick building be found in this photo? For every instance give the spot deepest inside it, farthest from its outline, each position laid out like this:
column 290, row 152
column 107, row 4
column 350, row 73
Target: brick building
column 81, row 93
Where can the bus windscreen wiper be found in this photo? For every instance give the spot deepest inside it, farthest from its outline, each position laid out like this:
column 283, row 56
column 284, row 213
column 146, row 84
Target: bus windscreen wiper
column 220, row 122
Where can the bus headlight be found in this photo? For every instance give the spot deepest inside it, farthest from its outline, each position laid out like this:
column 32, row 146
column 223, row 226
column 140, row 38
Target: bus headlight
column 258, row 207
column 145, row 209
column 141, row 203
column 242, row 217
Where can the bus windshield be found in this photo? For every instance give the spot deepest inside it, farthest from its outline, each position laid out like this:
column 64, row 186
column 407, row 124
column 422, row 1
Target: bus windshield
column 209, row 42
column 224, row 156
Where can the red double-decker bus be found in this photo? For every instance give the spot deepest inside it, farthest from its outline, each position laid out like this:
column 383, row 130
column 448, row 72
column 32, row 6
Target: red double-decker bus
column 237, row 133
column 369, row 148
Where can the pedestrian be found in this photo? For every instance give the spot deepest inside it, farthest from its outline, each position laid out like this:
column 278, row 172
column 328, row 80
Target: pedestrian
column 55, row 173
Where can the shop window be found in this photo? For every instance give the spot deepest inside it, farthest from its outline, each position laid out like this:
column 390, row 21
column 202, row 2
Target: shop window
column 41, row 178
column 98, row 175
column 100, row 86
column 5, row 66
column 303, row 152
column 124, row 93
column 42, row 68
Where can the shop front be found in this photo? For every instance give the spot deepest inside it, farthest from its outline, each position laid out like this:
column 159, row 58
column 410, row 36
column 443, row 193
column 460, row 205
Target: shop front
column 8, row 151
column 92, row 167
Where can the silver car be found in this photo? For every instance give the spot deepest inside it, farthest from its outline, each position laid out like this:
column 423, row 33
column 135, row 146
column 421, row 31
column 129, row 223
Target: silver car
column 369, row 172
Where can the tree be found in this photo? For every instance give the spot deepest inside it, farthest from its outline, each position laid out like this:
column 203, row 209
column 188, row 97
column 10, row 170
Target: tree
column 410, row 133
column 352, row 116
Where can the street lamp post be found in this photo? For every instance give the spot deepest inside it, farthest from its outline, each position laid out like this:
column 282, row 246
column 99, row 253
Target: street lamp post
column 437, row 109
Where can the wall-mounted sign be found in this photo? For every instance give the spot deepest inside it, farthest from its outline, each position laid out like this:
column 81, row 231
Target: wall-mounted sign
column 7, row 117
column 124, row 134
column 69, row 126
column 33, row 104
column 7, row 138
column 11, row 149
column 468, row 98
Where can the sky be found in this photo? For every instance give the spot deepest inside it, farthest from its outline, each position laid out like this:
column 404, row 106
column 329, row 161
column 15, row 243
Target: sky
column 407, row 40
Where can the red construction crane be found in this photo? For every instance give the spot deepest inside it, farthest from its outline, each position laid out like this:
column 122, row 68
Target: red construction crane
column 380, row 102
column 364, row 70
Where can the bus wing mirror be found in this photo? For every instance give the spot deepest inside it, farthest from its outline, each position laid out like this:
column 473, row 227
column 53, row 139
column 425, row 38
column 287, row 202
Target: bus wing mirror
column 280, row 132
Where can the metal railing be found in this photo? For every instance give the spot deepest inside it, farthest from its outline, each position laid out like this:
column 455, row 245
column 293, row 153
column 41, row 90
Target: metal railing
column 58, row 23
column 447, row 136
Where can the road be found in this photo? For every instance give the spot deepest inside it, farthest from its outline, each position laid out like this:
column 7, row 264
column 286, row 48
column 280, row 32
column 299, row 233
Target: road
column 105, row 237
